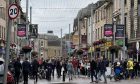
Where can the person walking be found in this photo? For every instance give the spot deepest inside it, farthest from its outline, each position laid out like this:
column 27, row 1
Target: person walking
column 35, row 67
column 17, row 68
column 26, row 66
column 130, row 67
column 102, row 69
column 93, row 67
column 48, row 68
column 70, row 69
column 58, row 68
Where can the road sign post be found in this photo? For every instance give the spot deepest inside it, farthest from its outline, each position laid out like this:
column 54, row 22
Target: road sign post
column 137, row 47
column 13, row 12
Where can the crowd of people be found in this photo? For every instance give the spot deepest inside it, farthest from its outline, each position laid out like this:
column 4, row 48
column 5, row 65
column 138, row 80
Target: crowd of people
column 73, row 67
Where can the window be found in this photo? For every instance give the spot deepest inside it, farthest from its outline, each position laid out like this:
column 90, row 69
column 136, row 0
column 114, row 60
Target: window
column 104, row 13
column 4, row 34
column 125, row 2
column 41, row 43
column 132, row 3
column 2, row 12
column 0, row 31
column 98, row 33
column 138, row 1
column 96, row 17
column 101, row 13
column 101, row 33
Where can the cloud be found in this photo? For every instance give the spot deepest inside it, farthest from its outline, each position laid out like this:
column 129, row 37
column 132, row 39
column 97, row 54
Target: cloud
column 55, row 14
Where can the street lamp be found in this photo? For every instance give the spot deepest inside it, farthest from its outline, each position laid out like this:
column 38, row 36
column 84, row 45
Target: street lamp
column 114, row 38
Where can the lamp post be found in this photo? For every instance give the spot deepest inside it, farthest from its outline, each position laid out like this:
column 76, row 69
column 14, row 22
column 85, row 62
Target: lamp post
column 114, row 38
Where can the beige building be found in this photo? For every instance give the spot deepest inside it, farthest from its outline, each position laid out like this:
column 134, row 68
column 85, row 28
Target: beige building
column 100, row 20
column 3, row 19
column 42, row 46
column 3, row 28
column 48, row 46
column 54, row 51
column 102, row 15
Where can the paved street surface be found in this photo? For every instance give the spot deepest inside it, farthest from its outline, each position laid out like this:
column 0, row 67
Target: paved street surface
column 83, row 81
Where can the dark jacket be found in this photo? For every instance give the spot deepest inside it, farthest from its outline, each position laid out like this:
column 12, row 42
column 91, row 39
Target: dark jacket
column 58, row 65
column 102, row 66
column 26, row 66
column 35, row 66
column 17, row 67
column 93, row 65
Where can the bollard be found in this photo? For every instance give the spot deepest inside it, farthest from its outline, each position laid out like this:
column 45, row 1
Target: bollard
column 63, row 76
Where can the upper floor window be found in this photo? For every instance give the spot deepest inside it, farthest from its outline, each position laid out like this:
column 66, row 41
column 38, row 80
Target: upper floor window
column 138, row 1
column 41, row 43
column 0, row 32
column 2, row 13
column 125, row 2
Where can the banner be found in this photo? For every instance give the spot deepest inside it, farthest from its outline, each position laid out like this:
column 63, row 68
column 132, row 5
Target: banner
column 21, row 30
column 33, row 30
column 120, row 31
column 119, row 42
column 84, row 39
column 108, row 30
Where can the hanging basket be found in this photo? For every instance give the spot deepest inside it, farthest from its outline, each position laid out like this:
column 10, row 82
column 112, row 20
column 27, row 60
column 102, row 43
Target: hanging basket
column 26, row 49
column 114, row 48
column 2, row 41
column 80, row 52
column 34, row 53
column 103, row 40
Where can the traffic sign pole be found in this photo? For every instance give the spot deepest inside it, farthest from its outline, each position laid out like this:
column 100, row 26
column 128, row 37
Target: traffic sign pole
column 13, row 13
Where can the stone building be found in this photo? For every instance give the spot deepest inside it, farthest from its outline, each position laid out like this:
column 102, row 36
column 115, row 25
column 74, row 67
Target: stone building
column 48, row 46
column 3, row 20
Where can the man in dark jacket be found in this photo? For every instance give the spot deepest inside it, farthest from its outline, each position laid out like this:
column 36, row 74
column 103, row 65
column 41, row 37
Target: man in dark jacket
column 26, row 69
column 48, row 68
column 93, row 67
column 58, row 68
column 102, row 69
column 17, row 68
column 35, row 66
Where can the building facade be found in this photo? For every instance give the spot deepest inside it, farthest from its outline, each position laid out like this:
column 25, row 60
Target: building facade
column 48, row 46
column 3, row 29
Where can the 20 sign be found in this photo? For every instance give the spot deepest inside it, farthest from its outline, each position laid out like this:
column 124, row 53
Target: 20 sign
column 13, row 11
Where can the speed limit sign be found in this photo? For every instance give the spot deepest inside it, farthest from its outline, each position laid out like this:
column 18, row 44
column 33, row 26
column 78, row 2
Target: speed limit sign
column 13, row 11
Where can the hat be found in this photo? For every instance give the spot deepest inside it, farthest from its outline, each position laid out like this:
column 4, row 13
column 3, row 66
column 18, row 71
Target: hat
column 1, row 61
column 118, row 63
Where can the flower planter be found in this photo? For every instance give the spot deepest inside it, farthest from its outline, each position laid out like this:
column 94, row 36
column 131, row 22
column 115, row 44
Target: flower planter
column 2, row 41
column 80, row 52
column 34, row 53
column 114, row 48
column 26, row 49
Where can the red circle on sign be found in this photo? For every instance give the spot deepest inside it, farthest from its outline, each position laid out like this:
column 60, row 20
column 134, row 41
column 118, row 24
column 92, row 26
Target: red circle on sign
column 17, row 11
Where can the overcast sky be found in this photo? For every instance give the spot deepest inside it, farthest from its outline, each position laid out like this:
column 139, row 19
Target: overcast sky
column 55, row 14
